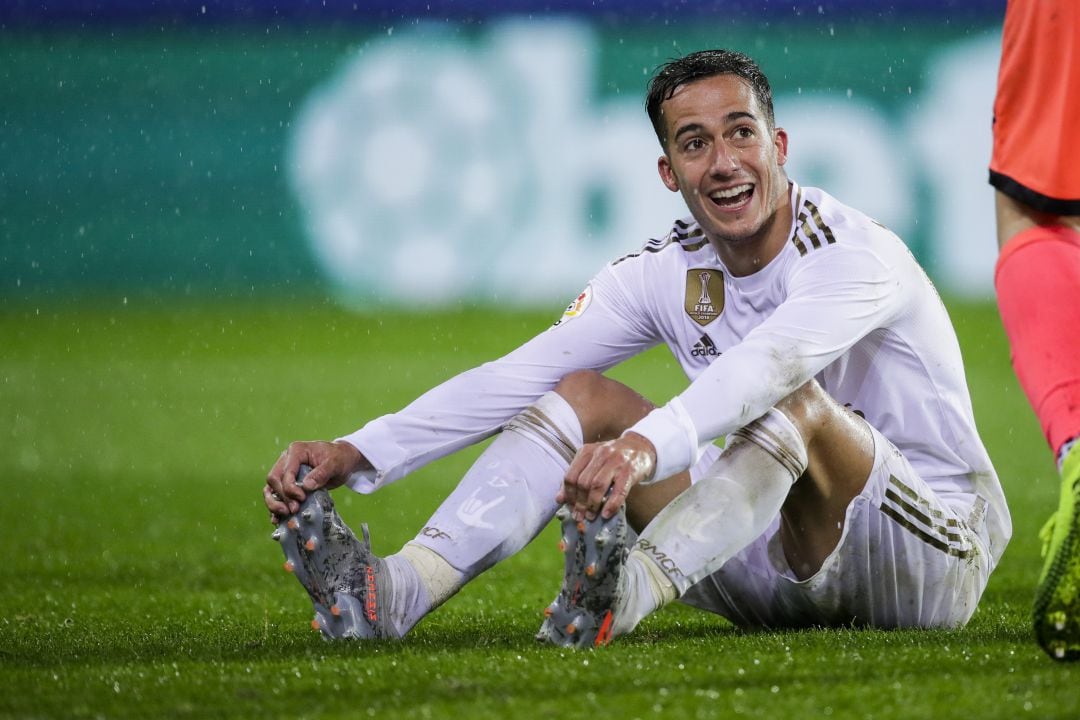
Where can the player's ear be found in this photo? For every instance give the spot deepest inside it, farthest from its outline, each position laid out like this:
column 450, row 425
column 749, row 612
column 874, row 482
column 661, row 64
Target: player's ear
column 667, row 175
column 780, row 140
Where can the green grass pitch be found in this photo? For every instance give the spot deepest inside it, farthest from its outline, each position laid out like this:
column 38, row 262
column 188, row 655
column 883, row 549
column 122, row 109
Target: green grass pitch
column 139, row 580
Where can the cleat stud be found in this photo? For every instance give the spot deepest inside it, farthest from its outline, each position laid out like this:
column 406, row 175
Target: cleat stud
column 292, row 524
column 307, row 515
column 335, row 611
column 563, row 513
column 548, row 612
column 278, row 535
column 310, row 544
column 571, row 629
column 288, row 566
column 590, row 569
column 581, row 526
column 315, row 624
column 562, row 545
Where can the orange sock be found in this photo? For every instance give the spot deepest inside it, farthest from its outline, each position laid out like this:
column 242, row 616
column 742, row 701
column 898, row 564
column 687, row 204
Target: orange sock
column 1038, row 287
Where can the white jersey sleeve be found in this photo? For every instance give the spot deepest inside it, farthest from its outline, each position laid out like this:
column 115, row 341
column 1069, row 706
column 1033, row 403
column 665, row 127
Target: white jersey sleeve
column 598, row 330
column 834, row 298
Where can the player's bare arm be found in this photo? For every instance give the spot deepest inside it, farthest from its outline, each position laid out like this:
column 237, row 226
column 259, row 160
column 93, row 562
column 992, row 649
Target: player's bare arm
column 331, row 464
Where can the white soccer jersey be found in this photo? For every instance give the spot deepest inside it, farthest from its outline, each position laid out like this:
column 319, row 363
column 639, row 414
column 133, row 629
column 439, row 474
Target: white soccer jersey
column 844, row 302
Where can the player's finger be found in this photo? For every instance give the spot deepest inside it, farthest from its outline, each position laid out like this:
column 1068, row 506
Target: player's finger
column 591, row 474
column 298, row 454
column 274, row 482
column 619, row 490
column 599, row 490
column 568, row 493
column 312, row 478
column 274, row 503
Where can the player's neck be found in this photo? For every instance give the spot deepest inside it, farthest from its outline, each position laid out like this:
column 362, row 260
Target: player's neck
column 746, row 256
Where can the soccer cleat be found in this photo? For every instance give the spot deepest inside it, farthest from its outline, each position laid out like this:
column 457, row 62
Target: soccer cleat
column 582, row 612
column 348, row 584
column 1056, row 612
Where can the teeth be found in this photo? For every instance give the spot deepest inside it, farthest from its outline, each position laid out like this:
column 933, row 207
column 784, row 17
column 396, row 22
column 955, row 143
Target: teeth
column 730, row 192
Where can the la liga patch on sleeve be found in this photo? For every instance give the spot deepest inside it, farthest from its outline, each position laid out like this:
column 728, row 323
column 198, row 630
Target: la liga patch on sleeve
column 577, row 307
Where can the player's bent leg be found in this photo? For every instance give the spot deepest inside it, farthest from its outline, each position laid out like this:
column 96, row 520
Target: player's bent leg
column 1056, row 612
column 701, row 527
column 908, row 557
column 505, row 499
column 840, row 455
column 807, row 438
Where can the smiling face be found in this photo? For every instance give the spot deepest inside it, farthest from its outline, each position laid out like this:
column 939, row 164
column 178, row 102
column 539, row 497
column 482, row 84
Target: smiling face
column 727, row 161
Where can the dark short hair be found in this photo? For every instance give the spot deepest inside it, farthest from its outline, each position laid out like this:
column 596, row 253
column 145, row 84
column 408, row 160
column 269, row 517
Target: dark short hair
column 670, row 76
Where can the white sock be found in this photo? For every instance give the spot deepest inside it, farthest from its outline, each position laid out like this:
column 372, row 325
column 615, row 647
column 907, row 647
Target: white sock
column 422, row 581
column 644, row 589
column 717, row 517
column 505, row 499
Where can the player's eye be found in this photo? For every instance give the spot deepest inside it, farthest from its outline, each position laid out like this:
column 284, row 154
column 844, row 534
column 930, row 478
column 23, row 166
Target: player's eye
column 693, row 144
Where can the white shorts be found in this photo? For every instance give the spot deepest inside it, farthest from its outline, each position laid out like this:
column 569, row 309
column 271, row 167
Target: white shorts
column 907, row 557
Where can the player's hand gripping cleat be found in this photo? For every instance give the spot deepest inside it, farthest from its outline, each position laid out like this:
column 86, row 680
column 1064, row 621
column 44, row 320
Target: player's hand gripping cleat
column 1056, row 613
column 595, row 551
column 348, row 585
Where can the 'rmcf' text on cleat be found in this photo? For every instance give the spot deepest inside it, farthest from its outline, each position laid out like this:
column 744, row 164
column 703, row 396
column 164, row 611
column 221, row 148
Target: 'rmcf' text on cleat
column 595, row 550
column 348, row 584
column 1056, row 612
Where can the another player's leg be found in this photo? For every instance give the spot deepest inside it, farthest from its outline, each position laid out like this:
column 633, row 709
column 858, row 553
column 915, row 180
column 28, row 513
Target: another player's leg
column 751, row 483
column 1038, row 283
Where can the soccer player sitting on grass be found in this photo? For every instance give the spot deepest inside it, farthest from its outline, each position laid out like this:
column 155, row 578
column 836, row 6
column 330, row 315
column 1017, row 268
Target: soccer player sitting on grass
column 853, row 487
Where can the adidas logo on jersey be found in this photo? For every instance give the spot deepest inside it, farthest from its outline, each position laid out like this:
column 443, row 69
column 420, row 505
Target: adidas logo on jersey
column 704, row 347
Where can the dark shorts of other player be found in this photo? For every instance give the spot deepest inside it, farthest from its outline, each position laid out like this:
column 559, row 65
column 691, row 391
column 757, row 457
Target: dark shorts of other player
column 1038, row 201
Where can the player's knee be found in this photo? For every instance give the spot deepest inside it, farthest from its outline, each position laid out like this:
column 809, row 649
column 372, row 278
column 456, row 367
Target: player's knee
column 806, row 407
column 604, row 406
column 580, row 387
